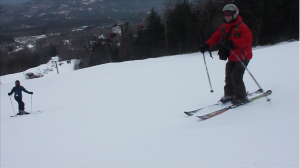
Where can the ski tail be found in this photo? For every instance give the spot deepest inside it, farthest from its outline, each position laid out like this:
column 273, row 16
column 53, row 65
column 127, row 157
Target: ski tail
column 190, row 113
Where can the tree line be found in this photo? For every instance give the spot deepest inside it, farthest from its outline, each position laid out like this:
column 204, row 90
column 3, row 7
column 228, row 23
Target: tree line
column 182, row 28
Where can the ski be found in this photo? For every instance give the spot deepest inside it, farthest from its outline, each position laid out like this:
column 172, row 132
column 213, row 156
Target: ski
column 34, row 112
column 220, row 111
column 190, row 113
column 17, row 115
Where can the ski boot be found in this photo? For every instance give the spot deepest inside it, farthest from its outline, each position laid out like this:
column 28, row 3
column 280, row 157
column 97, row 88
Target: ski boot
column 22, row 112
column 239, row 101
column 226, row 99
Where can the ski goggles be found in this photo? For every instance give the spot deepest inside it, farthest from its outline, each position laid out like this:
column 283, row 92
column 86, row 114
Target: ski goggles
column 228, row 13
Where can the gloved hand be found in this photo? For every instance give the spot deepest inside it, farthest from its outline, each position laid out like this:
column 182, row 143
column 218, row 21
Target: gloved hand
column 9, row 94
column 204, row 48
column 30, row 92
column 228, row 45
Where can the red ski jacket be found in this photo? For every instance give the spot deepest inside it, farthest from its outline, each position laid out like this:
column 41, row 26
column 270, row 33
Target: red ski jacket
column 243, row 43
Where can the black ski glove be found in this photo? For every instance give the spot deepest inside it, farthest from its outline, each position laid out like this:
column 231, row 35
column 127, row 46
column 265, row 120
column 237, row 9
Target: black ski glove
column 228, row 45
column 9, row 94
column 30, row 92
column 204, row 48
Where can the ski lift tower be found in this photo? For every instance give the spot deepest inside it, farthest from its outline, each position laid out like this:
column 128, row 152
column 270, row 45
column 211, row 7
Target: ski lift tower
column 121, row 25
column 55, row 60
column 141, row 22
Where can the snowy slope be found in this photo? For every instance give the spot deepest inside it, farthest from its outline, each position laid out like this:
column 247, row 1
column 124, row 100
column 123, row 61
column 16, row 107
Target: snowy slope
column 47, row 69
column 130, row 114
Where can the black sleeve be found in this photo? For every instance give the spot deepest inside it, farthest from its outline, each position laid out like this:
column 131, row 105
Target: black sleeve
column 25, row 90
column 12, row 90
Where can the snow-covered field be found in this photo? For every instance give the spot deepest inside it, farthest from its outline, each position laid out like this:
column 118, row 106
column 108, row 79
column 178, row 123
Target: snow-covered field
column 130, row 114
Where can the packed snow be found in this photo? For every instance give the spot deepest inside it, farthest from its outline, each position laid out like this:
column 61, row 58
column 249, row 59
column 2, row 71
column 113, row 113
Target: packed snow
column 130, row 114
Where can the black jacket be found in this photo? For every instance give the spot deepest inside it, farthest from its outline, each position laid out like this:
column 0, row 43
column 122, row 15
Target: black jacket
column 18, row 91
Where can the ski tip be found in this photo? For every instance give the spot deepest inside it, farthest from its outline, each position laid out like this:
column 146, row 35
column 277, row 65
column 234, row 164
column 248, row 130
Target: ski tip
column 187, row 113
column 39, row 111
column 201, row 118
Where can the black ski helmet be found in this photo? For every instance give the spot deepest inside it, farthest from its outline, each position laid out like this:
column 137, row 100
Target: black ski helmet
column 17, row 82
column 232, row 8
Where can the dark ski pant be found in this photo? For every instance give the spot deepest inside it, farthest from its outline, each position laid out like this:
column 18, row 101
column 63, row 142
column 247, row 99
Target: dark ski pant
column 21, row 104
column 234, row 84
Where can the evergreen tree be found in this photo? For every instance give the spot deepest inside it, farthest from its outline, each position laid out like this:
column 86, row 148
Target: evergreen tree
column 181, row 23
column 150, row 40
column 154, row 32
column 271, row 21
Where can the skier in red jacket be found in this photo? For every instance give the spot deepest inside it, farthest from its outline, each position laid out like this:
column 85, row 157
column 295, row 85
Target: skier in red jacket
column 233, row 35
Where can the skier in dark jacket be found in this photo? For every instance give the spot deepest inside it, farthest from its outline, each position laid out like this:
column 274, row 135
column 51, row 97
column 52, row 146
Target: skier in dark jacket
column 18, row 96
column 234, row 35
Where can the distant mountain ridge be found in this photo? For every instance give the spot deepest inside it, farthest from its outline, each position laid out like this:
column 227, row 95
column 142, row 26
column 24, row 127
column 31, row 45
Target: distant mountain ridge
column 13, row 2
column 35, row 13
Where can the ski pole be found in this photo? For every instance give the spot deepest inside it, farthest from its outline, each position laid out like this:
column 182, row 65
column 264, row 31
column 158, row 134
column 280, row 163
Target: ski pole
column 248, row 72
column 12, row 105
column 211, row 90
column 31, row 103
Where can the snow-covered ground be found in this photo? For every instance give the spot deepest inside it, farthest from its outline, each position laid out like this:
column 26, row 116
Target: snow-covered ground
column 130, row 114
